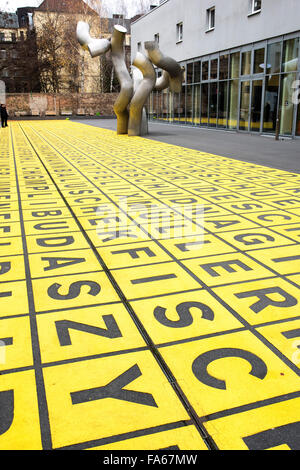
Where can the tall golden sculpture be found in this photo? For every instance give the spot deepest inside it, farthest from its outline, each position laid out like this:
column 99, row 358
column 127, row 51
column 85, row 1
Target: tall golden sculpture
column 130, row 104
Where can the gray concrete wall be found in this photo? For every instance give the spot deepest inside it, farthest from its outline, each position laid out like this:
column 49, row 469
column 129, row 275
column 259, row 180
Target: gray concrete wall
column 234, row 26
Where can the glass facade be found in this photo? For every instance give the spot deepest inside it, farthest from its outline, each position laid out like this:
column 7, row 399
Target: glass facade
column 247, row 89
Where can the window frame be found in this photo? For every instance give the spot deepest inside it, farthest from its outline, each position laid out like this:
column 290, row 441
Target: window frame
column 209, row 26
column 179, row 32
column 252, row 8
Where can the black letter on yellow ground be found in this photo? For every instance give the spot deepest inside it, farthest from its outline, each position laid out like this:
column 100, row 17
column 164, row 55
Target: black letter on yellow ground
column 265, row 301
column 74, row 290
column 68, row 240
column 226, row 265
column 115, row 390
column 5, row 267
column 253, row 241
column 55, row 264
column 185, row 317
column 288, row 434
column 200, row 364
column 63, row 326
column 6, row 410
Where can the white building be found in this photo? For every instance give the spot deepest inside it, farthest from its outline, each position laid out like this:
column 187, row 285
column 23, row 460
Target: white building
column 241, row 59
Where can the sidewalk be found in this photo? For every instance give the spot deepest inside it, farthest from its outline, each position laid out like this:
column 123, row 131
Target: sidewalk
column 262, row 150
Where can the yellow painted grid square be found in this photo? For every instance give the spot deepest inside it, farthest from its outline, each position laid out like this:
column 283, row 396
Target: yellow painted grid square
column 263, row 300
column 95, row 416
column 145, row 281
column 215, row 372
column 257, row 427
column 76, row 290
column 86, row 332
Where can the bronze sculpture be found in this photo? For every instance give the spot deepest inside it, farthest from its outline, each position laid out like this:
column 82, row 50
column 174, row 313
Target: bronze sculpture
column 130, row 104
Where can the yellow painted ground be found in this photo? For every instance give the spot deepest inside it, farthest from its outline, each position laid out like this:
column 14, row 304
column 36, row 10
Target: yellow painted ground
column 149, row 295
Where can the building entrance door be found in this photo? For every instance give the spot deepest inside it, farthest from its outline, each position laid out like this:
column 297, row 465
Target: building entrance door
column 251, row 105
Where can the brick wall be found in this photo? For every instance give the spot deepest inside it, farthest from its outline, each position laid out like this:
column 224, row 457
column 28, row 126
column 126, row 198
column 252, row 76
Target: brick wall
column 42, row 104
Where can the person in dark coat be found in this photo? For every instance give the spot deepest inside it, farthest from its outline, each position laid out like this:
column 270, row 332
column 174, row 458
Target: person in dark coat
column 4, row 115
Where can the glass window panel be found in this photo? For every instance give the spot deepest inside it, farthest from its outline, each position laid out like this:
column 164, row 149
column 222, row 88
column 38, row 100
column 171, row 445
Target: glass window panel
column 205, row 70
column 290, row 55
column 224, row 62
column 286, row 103
column 154, row 104
column 298, row 121
column 235, row 65
column 197, row 105
column 213, row 104
column 271, row 102
column 222, row 111
column 197, row 66
column 189, row 104
column 189, row 73
column 165, row 105
column 256, row 5
column 244, row 106
column 273, row 58
column 246, row 63
column 233, row 104
column 257, row 86
column 214, row 69
column 160, row 105
column 177, row 106
column 259, row 61
column 204, row 104
column 150, row 105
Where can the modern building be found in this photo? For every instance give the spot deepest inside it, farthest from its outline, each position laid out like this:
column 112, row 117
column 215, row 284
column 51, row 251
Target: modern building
column 241, row 60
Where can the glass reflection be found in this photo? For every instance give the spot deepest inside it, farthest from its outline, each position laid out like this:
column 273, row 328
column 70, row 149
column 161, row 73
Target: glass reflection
column 197, row 105
column 259, row 61
column 286, row 103
column 222, row 106
column 204, row 104
column 197, row 67
column 290, row 55
column 256, row 105
column 224, row 62
column 233, row 104
column 271, row 103
column 213, row 104
column 273, row 58
column 214, row 69
column 235, row 65
column 298, row 121
column 189, row 104
column 205, row 70
column 244, row 106
column 246, row 63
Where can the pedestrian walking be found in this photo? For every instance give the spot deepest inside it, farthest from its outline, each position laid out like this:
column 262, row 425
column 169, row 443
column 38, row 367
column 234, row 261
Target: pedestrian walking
column 4, row 115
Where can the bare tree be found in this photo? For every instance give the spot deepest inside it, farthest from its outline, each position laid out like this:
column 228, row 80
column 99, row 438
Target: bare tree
column 62, row 63
column 141, row 6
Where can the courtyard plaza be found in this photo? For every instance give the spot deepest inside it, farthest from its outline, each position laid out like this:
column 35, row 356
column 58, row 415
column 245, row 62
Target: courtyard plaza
column 149, row 294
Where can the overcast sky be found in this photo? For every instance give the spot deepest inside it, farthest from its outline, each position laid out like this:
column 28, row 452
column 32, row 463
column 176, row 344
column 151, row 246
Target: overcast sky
column 12, row 5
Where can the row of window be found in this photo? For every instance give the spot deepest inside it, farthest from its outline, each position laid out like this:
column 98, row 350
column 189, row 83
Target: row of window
column 254, row 8
column 5, row 54
column 277, row 57
column 247, row 89
column 12, row 37
column 248, row 105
